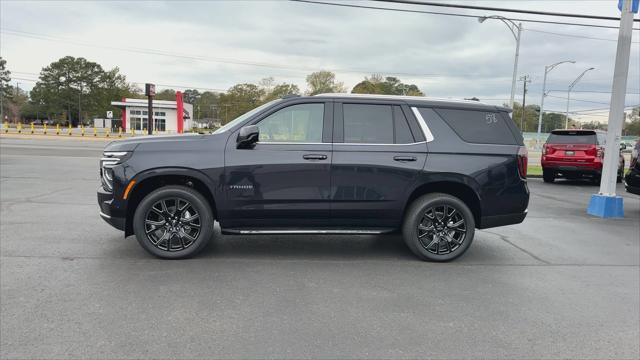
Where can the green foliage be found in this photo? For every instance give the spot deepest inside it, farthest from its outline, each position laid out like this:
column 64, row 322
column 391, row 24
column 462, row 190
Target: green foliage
column 632, row 125
column 550, row 121
column 166, row 94
column 238, row 100
column 5, row 78
column 323, row 82
column 389, row 86
column 76, row 85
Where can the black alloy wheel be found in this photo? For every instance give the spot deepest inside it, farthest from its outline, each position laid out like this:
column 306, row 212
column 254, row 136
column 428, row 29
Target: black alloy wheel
column 438, row 227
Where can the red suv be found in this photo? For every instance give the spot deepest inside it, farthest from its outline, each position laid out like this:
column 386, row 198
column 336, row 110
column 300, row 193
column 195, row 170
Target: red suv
column 573, row 154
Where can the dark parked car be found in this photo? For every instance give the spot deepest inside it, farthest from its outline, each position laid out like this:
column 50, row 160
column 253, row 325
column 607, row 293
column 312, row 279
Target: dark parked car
column 326, row 164
column 632, row 180
column 575, row 154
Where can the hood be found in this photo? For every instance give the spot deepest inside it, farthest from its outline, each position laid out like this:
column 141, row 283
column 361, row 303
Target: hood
column 130, row 144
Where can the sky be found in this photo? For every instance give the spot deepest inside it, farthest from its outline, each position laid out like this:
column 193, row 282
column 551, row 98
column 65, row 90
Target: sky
column 213, row 45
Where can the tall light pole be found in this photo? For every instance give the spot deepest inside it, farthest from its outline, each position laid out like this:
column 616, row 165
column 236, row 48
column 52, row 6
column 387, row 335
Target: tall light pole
column 547, row 69
column 566, row 117
column 516, row 30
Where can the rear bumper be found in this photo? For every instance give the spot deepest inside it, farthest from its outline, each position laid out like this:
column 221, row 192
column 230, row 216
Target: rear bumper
column 572, row 167
column 109, row 213
column 501, row 220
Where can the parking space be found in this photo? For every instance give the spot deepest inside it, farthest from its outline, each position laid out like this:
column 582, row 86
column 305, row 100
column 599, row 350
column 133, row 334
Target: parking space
column 560, row 285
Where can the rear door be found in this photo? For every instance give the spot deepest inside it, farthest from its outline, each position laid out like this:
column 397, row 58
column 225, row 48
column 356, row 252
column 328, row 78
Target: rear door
column 376, row 159
column 282, row 182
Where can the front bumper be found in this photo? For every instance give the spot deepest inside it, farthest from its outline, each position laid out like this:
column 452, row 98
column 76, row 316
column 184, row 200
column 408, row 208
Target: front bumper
column 112, row 215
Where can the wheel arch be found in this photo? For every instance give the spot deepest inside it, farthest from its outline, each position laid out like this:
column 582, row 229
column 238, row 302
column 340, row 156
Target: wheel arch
column 153, row 179
column 454, row 187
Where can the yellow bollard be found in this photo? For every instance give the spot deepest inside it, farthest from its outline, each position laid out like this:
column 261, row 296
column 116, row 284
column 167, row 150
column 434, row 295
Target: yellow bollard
column 57, row 129
column 133, row 132
column 6, row 127
column 69, row 129
column 119, row 131
column 82, row 130
column 45, row 128
column 19, row 128
column 32, row 128
column 107, row 130
column 95, row 131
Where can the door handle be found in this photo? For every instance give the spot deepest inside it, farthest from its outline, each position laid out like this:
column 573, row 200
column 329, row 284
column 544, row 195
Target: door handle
column 404, row 158
column 314, row 157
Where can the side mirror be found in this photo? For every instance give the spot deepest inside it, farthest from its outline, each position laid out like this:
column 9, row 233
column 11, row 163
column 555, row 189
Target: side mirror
column 248, row 136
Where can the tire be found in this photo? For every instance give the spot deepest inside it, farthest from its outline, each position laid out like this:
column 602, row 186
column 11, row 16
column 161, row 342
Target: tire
column 548, row 176
column 178, row 234
column 418, row 216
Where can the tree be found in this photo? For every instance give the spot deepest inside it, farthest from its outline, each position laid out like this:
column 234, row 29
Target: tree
column 79, row 88
column 323, row 82
column 238, row 100
column 166, row 94
column 5, row 89
column 389, row 86
column 274, row 91
column 632, row 125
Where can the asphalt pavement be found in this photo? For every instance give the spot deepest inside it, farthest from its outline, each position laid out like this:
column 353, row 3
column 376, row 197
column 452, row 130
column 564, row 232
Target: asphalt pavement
column 560, row 285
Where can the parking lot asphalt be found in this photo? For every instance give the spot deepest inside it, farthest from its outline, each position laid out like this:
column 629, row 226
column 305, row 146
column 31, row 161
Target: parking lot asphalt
column 560, row 285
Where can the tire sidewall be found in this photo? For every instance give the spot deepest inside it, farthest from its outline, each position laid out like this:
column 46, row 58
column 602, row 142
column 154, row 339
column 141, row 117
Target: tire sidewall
column 197, row 201
column 414, row 215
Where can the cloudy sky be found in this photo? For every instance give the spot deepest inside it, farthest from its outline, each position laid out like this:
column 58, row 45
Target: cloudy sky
column 212, row 45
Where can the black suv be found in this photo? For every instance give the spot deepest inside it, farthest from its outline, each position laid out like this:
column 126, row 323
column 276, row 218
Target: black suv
column 324, row 164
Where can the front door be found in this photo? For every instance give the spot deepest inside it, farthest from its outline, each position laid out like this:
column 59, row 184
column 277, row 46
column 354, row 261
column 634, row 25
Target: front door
column 376, row 159
column 282, row 182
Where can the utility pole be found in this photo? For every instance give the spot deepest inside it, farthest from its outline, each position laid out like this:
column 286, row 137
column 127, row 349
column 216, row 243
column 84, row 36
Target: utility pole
column 606, row 204
column 150, row 92
column 79, row 107
column 525, row 79
column 566, row 117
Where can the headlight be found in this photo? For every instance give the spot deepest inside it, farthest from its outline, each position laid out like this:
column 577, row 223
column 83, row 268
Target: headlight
column 108, row 161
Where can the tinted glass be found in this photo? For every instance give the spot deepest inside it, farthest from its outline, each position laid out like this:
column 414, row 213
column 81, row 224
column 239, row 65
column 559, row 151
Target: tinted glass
column 572, row 138
column 402, row 131
column 475, row 126
column 368, row 124
column 296, row 123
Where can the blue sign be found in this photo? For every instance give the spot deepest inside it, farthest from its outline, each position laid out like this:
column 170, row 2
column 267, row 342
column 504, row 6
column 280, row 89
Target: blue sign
column 634, row 5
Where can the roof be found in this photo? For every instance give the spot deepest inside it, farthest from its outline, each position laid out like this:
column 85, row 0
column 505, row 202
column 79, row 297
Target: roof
column 159, row 104
column 419, row 100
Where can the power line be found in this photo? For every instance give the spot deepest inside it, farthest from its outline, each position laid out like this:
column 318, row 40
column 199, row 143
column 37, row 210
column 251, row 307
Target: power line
column 487, row 8
column 580, row 100
column 212, row 59
column 450, row 14
column 575, row 36
column 633, row 92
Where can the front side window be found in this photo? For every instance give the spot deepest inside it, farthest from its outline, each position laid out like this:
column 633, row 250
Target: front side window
column 368, row 124
column 296, row 123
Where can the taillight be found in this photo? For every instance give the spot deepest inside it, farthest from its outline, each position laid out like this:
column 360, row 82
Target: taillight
column 592, row 151
column 523, row 159
column 544, row 149
column 600, row 152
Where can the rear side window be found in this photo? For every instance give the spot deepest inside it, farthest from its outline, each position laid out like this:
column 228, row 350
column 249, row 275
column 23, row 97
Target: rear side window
column 368, row 124
column 572, row 138
column 475, row 126
column 402, row 132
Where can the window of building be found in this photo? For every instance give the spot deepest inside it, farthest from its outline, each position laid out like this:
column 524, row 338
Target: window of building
column 160, row 113
column 368, row 124
column 134, row 112
column 159, row 124
column 296, row 123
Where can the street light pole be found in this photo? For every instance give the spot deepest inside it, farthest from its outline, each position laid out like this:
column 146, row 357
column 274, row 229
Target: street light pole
column 516, row 30
column 566, row 117
column 547, row 69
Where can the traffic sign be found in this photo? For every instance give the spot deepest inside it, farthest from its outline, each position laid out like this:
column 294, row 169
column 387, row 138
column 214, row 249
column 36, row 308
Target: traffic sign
column 109, row 114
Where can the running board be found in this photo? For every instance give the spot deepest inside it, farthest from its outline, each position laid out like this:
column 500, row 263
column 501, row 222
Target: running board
column 298, row 232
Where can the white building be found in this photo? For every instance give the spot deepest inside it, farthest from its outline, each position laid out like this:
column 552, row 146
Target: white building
column 169, row 117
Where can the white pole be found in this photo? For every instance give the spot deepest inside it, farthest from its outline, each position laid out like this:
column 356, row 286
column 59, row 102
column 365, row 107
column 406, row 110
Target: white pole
column 515, row 66
column 566, row 117
column 544, row 87
column 616, row 110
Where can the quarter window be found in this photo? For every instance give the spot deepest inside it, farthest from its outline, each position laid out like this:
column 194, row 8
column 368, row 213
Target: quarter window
column 296, row 123
column 368, row 124
column 476, row 126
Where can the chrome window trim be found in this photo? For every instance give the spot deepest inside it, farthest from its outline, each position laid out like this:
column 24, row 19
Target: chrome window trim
column 423, row 124
column 337, row 143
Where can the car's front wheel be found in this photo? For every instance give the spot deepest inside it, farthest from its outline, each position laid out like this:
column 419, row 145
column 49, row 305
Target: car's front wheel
column 173, row 222
column 438, row 227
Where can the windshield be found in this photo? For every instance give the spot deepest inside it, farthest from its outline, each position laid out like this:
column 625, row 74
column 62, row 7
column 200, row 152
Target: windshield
column 244, row 116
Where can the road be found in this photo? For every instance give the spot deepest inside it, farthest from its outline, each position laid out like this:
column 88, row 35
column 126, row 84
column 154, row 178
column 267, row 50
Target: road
column 560, row 285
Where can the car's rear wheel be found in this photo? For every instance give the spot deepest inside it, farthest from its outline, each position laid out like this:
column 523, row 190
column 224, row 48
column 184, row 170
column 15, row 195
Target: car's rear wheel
column 548, row 176
column 438, row 227
column 173, row 222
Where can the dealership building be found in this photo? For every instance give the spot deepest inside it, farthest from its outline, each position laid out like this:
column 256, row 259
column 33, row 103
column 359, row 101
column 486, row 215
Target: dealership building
column 171, row 117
